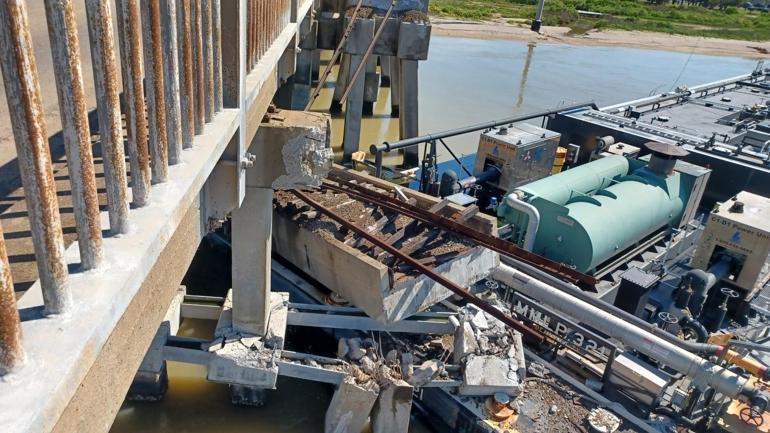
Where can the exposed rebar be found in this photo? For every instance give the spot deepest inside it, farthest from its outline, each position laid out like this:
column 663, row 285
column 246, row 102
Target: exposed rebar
column 65, row 49
column 129, row 28
column 171, row 81
column 186, row 97
column 105, row 68
column 22, row 91
column 11, row 351
column 156, row 108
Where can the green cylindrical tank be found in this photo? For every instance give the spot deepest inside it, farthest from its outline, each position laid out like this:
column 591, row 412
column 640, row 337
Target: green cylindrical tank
column 584, row 179
column 590, row 213
column 590, row 230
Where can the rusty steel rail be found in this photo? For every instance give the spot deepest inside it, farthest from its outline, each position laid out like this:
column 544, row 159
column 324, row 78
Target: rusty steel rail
column 501, row 246
column 199, row 88
column 105, row 68
column 65, row 48
column 216, row 22
column 22, row 89
column 11, row 350
column 528, row 332
column 129, row 28
column 153, row 75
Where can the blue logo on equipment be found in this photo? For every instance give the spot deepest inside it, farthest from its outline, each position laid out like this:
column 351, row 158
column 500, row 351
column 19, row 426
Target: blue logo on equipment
column 736, row 237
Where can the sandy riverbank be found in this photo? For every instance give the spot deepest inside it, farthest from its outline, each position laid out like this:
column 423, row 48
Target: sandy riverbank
column 634, row 39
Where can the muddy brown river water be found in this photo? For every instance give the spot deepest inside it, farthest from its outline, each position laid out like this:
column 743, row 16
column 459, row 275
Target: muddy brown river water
column 464, row 82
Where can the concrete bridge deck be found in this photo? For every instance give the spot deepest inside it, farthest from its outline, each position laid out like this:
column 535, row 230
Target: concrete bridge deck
column 80, row 364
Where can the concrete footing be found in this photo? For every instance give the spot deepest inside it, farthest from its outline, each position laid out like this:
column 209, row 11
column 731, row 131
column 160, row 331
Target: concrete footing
column 247, row 396
column 151, row 380
column 350, row 407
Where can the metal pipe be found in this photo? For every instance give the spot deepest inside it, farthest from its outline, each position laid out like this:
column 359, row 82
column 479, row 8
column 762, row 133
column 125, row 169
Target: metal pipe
column 65, row 48
column 216, row 22
column 208, row 61
column 133, row 90
column 704, row 373
column 537, row 22
column 386, row 147
column 171, row 81
column 572, row 290
column 186, row 96
column 456, row 289
column 514, row 200
column 11, row 351
column 104, row 64
column 153, row 75
column 200, row 96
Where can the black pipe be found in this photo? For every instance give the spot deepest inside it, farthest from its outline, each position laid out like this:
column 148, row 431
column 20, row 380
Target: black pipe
column 408, row 142
column 688, row 322
column 681, row 419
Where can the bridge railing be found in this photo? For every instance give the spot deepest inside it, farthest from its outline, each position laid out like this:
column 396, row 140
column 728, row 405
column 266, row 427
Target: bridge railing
column 172, row 85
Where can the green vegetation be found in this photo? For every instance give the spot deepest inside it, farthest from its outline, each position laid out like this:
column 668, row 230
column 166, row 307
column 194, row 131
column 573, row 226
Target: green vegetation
column 720, row 19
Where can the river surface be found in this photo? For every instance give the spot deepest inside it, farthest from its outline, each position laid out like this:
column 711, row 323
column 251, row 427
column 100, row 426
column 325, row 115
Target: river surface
column 464, row 81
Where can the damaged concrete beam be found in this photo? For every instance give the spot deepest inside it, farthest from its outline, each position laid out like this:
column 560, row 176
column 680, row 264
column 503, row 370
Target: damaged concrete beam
column 350, row 407
column 292, row 150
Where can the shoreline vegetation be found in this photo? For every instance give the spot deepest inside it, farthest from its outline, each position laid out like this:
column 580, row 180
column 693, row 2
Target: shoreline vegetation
column 723, row 19
column 722, row 28
column 626, row 38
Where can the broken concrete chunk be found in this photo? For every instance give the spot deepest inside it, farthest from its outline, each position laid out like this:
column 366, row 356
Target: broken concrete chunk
column 537, row 370
column 391, row 413
column 253, row 343
column 355, row 351
column 342, row 348
column 464, row 342
column 486, row 375
column 479, row 321
column 392, row 356
column 407, row 365
column 349, row 408
column 428, row 371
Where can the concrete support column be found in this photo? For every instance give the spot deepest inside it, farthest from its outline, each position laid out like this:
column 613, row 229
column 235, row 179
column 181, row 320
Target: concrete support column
column 385, row 70
column 395, row 87
column 353, row 111
column 340, row 84
column 251, row 245
column 371, row 85
column 409, row 119
column 316, row 71
column 303, row 74
column 391, row 413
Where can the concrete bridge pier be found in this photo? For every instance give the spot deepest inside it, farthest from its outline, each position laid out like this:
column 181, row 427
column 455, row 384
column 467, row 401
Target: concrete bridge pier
column 371, row 85
column 385, row 62
column 340, row 84
column 357, row 45
column 291, row 150
column 413, row 44
column 303, row 74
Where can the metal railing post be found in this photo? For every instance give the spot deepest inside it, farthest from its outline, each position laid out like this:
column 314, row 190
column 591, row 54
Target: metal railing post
column 153, row 75
column 65, row 49
column 129, row 28
column 22, row 91
column 11, row 351
column 105, row 69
